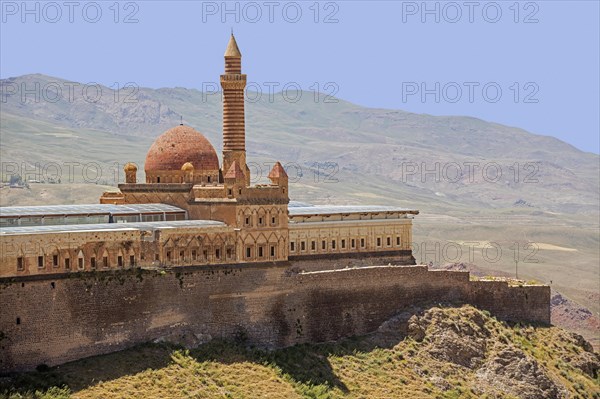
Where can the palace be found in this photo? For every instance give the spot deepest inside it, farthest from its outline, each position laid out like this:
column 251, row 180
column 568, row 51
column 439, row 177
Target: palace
column 193, row 211
column 196, row 253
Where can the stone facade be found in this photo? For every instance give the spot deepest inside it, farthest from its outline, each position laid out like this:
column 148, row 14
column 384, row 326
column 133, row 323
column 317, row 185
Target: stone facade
column 252, row 233
column 338, row 234
column 119, row 248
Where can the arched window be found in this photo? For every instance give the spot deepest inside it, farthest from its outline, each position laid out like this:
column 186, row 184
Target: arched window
column 105, row 259
column 80, row 260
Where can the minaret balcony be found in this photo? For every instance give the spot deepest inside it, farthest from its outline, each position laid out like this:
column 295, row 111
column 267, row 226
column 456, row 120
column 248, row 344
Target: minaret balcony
column 233, row 76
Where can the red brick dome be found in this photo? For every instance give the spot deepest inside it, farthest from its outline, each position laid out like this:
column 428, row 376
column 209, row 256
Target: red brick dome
column 179, row 145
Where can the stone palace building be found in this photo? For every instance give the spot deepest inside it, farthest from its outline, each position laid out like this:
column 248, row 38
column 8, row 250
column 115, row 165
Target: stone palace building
column 191, row 210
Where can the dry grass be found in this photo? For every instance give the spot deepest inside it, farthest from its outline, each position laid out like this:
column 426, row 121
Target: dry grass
column 362, row 367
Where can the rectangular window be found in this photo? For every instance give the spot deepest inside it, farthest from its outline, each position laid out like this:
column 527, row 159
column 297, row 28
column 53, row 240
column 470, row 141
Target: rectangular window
column 248, row 252
column 229, row 253
column 389, row 241
column 332, row 244
column 229, row 192
column 67, row 263
column 247, row 221
column 272, row 251
column 218, row 253
column 40, row 261
column 131, row 260
column 105, row 261
column 398, row 240
column 353, row 243
column 55, row 260
column 260, row 252
column 378, row 241
column 260, row 221
column 362, row 242
column 194, row 254
column 313, row 245
column 20, row 263
column 205, row 254
column 324, row 244
column 343, row 244
column 168, row 255
column 273, row 221
column 292, row 246
column 93, row 262
column 303, row 246
column 120, row 261
column 80, row 263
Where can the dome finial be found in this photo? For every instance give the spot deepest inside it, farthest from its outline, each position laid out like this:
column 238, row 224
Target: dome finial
column 180, row 120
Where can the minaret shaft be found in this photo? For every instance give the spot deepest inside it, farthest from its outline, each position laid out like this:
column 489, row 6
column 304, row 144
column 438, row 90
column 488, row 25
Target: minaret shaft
column 233, row 83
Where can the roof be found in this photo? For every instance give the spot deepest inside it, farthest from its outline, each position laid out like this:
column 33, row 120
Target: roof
column 232, row 48
column 345, row 209
column 179, row 145
column 296, row 204
column 86, row 209
column 277, row 171
column 139, row 226
column 234, row 172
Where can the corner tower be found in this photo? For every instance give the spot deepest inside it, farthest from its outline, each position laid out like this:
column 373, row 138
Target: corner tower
column 233, row 83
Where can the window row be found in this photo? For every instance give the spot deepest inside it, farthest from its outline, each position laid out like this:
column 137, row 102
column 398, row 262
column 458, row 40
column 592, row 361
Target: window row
column 261, row 251
column 179, row 179
column 260, row 220
column 219, row 254
column 80, row 262
column 343, row 244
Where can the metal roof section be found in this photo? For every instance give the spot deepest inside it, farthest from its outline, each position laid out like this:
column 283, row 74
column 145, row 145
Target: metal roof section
column 296, row 204
column 319, row 210
column 87, row 209
column 140, row 226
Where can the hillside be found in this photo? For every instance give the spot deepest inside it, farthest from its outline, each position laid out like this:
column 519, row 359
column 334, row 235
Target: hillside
column 542, row 212
column 375, row 150
column 438, row 352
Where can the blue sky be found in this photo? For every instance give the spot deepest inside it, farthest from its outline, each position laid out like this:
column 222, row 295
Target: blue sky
column 534, row 65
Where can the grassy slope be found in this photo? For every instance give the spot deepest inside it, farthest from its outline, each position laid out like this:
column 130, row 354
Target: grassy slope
column 376, row 366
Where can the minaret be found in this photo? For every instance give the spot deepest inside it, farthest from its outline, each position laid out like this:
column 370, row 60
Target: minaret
column 233, row 83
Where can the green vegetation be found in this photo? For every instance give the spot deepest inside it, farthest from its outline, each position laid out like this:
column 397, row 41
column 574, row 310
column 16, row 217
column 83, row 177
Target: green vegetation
column 375, row 366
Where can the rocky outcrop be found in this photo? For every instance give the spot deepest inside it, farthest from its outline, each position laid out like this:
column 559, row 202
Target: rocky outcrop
column 500, row 360
column 462, row 340
column 512, row 372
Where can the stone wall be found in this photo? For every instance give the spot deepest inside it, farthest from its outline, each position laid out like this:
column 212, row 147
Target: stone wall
column 52, row 321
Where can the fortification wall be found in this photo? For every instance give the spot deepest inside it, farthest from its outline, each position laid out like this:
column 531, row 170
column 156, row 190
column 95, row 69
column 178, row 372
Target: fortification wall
column 52, row 321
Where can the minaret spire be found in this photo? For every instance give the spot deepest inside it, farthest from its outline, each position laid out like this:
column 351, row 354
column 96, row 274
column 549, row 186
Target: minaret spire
column 233, row 83
column 232, row 50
